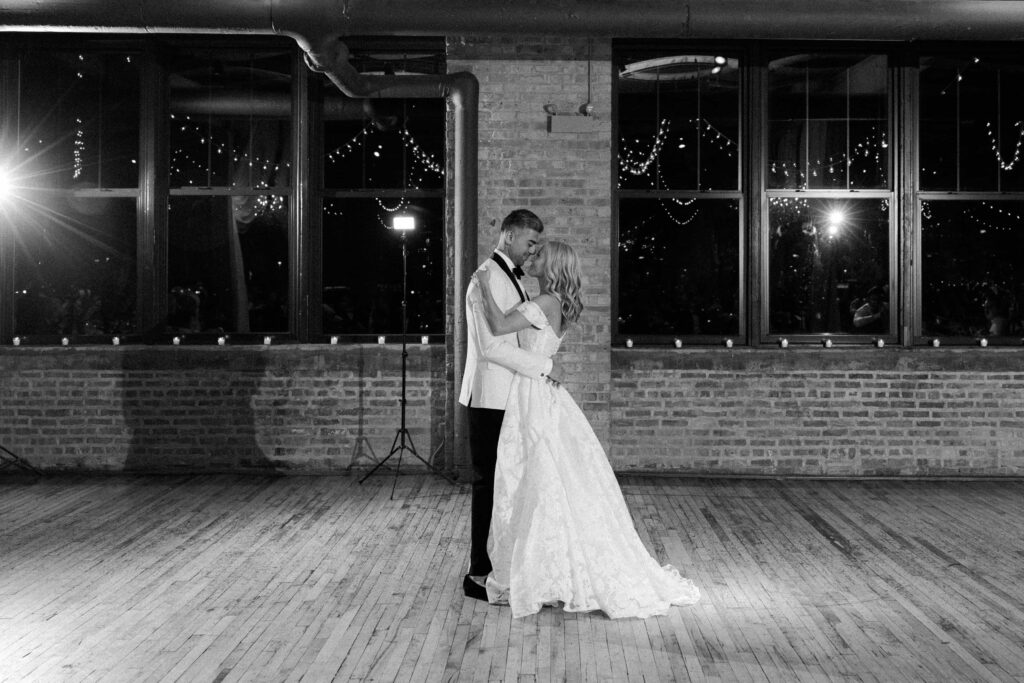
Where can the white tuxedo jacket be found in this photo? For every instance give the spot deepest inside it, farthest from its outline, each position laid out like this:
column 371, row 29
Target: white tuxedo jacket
column 492, row 361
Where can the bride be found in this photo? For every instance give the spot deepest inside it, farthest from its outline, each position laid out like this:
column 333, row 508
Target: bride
column 560, row 529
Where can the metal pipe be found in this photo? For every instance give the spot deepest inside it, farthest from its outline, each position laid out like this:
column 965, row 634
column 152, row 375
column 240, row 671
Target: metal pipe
column 310, row 21
column 244, row 103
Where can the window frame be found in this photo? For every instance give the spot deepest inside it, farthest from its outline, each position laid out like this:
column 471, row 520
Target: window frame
column 740, row 195
column 916, row 197
column 305, row 190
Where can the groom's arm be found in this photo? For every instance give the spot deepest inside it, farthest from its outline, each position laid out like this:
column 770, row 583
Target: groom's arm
column 500, row 351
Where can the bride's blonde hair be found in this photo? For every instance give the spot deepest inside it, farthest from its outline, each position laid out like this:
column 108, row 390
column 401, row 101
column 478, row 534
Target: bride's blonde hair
column 563, row 272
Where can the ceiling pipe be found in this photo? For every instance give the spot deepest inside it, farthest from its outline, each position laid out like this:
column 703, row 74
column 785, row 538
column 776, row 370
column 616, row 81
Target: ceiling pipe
column 902, row 20
column 238, row 102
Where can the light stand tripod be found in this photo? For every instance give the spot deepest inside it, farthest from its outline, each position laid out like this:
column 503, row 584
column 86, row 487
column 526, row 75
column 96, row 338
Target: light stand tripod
column 403, row 440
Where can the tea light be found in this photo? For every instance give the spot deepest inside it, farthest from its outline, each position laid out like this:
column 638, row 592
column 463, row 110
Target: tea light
column 629, row 343
column 380, row 339
column 879, row 343
column 64, row 341
column 935, row 343
column 827, row 343
column 334, row 339
column 728, row 343
column 16, row 341
column 783, row 343
column 679, row 343
column 267, row 340
column 983, row 342
column 176, row 341
column 221, row 341
column 424, row 340
column 116, row 341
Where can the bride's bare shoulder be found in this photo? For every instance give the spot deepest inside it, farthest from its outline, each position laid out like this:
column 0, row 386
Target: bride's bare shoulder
column 552, row 308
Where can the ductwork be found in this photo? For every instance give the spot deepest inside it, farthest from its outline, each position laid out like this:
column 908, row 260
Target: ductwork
column 311, row 21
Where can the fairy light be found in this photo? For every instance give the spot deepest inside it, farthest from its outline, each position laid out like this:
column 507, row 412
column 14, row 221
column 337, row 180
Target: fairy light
column 425, row 159
column 1006, row 166
column 634, row 162
column 79, row 148
column 402, row 204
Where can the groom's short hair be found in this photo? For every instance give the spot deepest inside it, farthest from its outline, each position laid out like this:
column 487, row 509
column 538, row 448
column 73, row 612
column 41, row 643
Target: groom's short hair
column 522, row 219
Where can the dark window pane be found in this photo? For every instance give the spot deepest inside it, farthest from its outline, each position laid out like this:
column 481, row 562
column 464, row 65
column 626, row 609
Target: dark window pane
column 381, row 143
column 230, row 119
column 972, row 131
column 828, row 266
column 828, row 122
column 679, row 266
column 74, row 265
column 972, row 279
column 679, row 122
column 362, row 258
column 228, row 264
column 78, row 120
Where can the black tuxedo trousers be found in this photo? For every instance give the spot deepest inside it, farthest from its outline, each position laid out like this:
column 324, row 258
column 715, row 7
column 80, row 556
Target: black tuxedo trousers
column 484, row 428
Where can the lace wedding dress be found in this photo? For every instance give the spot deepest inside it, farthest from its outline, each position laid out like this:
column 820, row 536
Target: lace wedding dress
column 560, row 528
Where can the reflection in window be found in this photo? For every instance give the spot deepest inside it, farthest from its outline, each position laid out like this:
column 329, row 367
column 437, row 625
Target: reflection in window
column 828, row 122
column 395, row 148
column 972, row 125
column 230, row 120
column 384, row 144
column 74, row 266
column 679, row 123
column 228, row 264
column 828, row 266
column 678, row 266
column 230, row 137
column 78, row 120
column 362, row 265
column 74, row 246
column 973, row 268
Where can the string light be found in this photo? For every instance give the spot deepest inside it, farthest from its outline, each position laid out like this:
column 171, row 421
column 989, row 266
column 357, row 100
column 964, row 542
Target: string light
column 628, row 159
column 425, row 159
column 995, row 145
column 79, row 148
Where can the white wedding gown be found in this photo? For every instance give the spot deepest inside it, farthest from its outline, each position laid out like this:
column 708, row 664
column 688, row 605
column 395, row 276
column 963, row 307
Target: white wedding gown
column 560, row 529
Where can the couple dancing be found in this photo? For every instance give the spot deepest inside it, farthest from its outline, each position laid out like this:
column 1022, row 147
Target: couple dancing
column 549, row 523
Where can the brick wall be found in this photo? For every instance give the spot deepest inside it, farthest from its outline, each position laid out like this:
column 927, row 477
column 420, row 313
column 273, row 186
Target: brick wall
column 565, row 178
column 836, row 412
column 288, row 408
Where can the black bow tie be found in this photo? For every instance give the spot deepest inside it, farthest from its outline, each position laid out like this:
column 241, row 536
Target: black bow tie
column 518, row 272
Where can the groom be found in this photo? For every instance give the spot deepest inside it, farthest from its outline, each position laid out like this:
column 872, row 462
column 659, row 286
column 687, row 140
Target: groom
column 490, row 363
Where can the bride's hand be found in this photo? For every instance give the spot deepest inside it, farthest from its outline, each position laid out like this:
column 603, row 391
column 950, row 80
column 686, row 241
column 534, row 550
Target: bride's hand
column 482, row 278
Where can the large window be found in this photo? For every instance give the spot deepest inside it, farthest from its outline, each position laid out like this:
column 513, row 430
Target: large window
column 971, row 204
column 680, row 217
column 827, row 176
column 230, row 161
column 382, row 159
column 164, row 190
column 71, row 219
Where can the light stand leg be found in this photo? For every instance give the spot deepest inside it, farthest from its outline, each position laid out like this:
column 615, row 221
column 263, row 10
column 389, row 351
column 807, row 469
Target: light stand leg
column 9, row 459
column 402, row 434
column 361, row 439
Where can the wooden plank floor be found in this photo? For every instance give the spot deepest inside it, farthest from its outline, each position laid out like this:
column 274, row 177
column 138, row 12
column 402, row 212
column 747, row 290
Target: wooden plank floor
column 230, row 578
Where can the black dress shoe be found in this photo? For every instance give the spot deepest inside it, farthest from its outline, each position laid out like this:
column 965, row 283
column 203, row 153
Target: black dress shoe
column 474, row 590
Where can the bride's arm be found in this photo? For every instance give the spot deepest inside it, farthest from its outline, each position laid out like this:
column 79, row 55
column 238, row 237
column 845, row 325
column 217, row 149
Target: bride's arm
column 499, row 321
